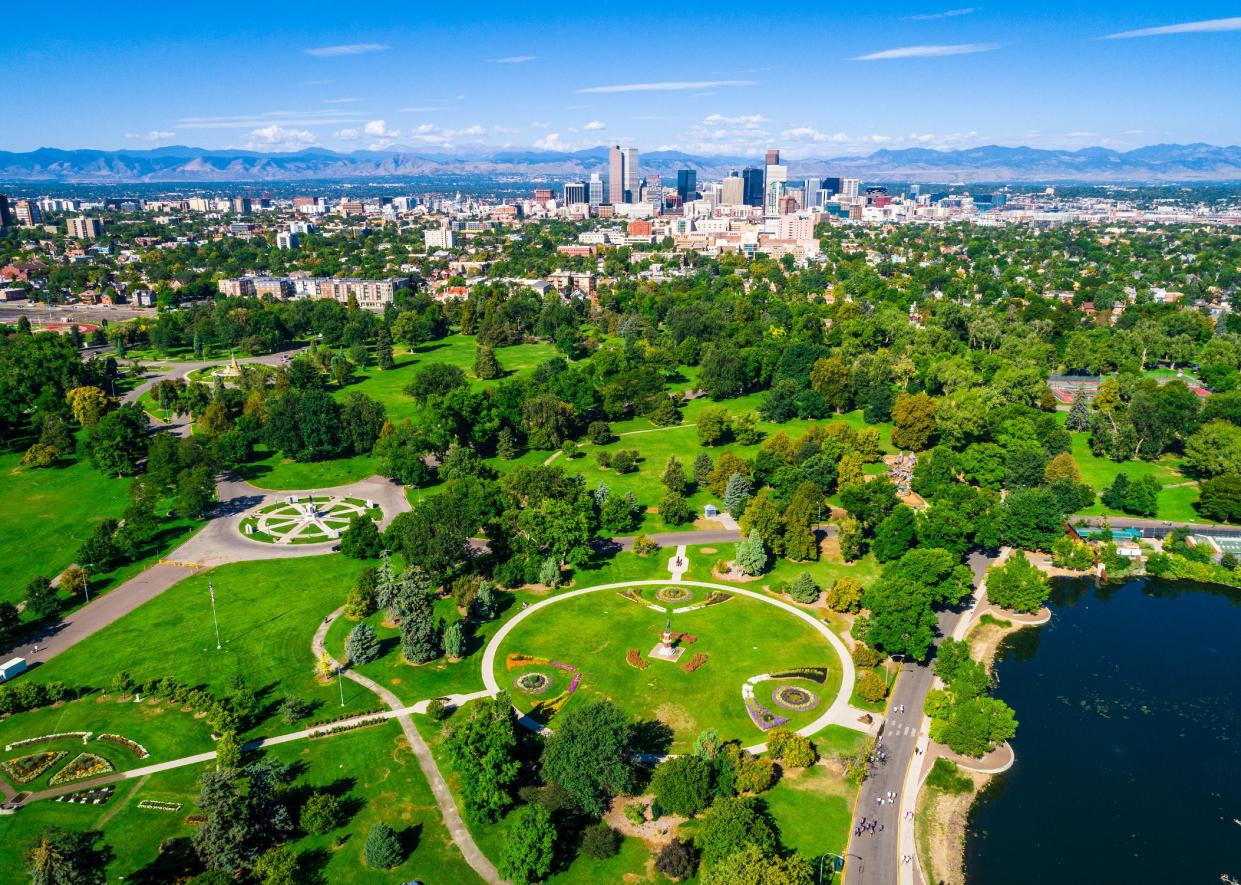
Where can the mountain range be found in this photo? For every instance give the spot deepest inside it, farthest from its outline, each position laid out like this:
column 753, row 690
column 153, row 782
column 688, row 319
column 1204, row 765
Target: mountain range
column 1162, row 163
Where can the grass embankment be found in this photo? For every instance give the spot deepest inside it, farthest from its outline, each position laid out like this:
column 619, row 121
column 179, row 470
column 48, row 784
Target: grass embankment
column 941, row 819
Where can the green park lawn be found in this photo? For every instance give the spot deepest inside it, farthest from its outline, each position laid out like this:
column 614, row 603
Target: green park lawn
column 742, row 638
column 268, row 612
column 272, row 471
column 814, row 808
column 372, row 769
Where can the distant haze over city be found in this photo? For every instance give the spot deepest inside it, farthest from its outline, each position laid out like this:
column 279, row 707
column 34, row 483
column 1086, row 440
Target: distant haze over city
column 1156, row 163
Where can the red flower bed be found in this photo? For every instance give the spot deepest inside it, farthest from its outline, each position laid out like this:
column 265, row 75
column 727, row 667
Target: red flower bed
column 634, row 658
column 695, row 662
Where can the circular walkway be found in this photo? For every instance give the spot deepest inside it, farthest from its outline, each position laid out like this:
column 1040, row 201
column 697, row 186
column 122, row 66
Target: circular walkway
column 839, row 713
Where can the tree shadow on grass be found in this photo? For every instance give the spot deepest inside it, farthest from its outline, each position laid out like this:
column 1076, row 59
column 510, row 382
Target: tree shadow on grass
column 312, row 866
column 176, row 862
column 650, row 736
column 409, row 839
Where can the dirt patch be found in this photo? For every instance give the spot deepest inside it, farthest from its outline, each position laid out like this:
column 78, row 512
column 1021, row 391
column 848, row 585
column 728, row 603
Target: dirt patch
column 939, row 830
column 829, row 550
column 654, row 833
column 708, row 524
column 707, row 551
column 734, row 574
column 677, row 718
column 1043, row 563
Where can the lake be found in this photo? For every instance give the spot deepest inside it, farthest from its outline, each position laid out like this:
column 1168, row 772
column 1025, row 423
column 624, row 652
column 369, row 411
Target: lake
column 1129, row 745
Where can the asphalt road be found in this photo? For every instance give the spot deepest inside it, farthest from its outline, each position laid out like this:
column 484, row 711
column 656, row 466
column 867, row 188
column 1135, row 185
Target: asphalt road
column 874, row 859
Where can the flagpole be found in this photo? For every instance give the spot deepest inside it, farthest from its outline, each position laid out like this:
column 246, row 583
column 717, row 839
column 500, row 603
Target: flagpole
column 215, row 620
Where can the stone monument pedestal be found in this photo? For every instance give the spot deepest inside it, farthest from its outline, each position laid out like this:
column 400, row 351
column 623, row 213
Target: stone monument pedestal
column 665, row 650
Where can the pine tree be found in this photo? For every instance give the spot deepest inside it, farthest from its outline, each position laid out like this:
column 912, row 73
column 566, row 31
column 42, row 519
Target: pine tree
column 702, row 469
column 666, row 412
column 736, row 494
column 383, row 347
column 362, row 647
column 485, row 605
column 387, row 584
column 549, row 572
column 421, row 633
column 751, row 554
column 1079, row 413
column 486, row 366
column 383, row 848
column 362, row 597
column 455, row 640
column 506, row 444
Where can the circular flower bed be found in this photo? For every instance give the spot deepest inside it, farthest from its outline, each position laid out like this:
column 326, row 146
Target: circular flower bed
column 533, row 683
column 674, row 594
column 790, row 697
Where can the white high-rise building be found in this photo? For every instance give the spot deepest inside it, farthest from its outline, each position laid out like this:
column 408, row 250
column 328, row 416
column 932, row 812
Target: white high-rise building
column 595, row 190
column 776, row 178
column 849, row 188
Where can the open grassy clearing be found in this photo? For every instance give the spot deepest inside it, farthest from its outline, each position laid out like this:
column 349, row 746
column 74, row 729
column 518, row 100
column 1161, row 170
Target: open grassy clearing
column 268, row 612
column 742, row 638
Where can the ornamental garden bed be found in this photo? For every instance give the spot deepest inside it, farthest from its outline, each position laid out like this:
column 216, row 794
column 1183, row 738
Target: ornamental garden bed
column 121, row 741
column 83, row 766
column 157, row 805
column 97, row 796
column 24, row 769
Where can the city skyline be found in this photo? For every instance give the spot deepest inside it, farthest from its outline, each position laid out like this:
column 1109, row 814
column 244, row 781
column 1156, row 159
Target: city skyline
column 913, row 75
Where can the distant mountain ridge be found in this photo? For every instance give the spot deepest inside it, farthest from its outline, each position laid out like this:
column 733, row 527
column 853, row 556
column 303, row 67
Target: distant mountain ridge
column 1162, row 163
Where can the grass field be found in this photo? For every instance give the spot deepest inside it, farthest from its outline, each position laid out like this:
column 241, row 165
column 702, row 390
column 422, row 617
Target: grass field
column 813, row 807
column 742, row 638
column 268, row 612
column 372, row 769
column 272, row 471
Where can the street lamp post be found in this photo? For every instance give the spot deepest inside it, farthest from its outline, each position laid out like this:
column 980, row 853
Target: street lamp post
column 340, row 680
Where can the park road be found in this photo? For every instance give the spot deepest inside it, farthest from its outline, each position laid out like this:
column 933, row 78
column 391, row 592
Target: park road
column 874, row 859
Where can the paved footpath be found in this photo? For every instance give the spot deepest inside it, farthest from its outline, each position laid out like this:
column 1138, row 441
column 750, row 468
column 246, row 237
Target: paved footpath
column 426, row 761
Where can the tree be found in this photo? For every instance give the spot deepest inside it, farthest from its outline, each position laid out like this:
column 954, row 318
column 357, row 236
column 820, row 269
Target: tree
column 547, row 421
column 529, row 846
column 753, row 866
column 736, row 494
column 41, row 598
column 1142, row 496
column 850, row 538
column 871, row 687
column 845, row 595
column 733, row 823
column 752, row 554
column 667, row 412
column 588, row 755
column 702, row 469
column 10, row 623
column 1062, row 467
column 832, row 379
column 361, row 600
column 383, row 848
column 1219, row 498
column 714, row 426
column 117, row 442
column 455, row 640
column 56, row 435
column 383, row 349
column 1214, row 449
column 486, row 366
column 421, row 631
column 791, row 748
column 195, row 492
column 278, row 866
column 676, row 859
column 1017, row 585
column 895, row 534
column 482, row 747
column 243, row 816
column 1031, row 519
column 66, row 857
column 803, row 589
column 974, row 727
column 600, row 842
column 723, row 373
column 362, row 646
column 763, row 515
column 1115, row 494
column 88, row 405
column 673, row 478
column 1079, row 413
column 682, row 785
column 675, row 510
column 913, row 421
column 361, row 540
column 362, row 420
column 900, row 619
column 322, row 813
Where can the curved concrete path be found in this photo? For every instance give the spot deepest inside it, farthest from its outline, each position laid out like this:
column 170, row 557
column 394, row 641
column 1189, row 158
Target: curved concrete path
column 426, row 761
column 839, row 713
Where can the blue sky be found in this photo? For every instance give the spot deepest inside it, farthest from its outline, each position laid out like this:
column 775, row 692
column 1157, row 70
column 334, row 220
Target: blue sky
column 719, row 78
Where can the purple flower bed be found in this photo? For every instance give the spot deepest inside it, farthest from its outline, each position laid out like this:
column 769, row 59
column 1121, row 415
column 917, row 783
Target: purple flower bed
column 560, row 666
column 763, row 718
column 577, row 677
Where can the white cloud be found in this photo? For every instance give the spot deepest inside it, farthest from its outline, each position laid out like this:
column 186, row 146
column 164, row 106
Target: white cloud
column 748, row 121
column 812, row 135
column 285, row 118
column 379, row 129
column 947, row 13
column 595, row 126
column 153, row 135
column 512, row 59
column 550, row 142
column 276, row 137
column 932, row 51
column 346, row 133
column 668, row 86
column 539, row 124
column 1209, row 26
column 344, row 49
